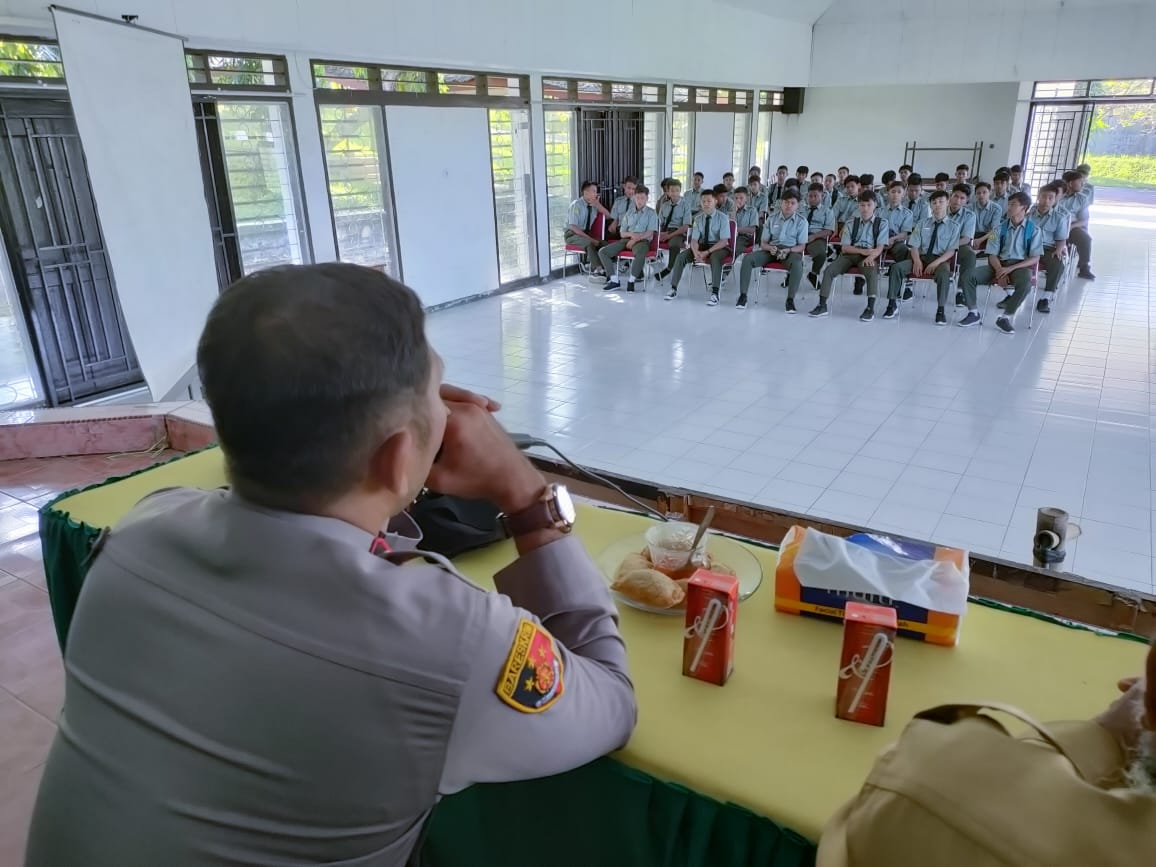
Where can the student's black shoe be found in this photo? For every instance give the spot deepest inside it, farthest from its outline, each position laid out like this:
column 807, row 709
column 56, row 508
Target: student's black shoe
column 1003, row 326
column 791, row 306
column 741, row 304
column 940, row 317
column 612, row 286
column 908, row 294
column 1003, row 304
column 663, row 274
column 820, row 310
column 959, row 302
column 629, row 287
column 1086, row 274
column 671, row 295
column 867, row 315
column 969, row 320
column 1042, row 306
column 712, row 301
column 858, row 290
column 892, row 310
column 813, row 279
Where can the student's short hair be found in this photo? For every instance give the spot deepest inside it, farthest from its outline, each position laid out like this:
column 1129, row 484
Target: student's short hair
column 938, row 194
column 984, row 184
column 588, row 184
column 758, row 170
column 963, row 166
column 867, row 179
column 672, row 182
column 1002, row 170
column 1052, row 188
column 896, row 185
column 851, row 179
column 754, row 179
column 828, row 175
column 962, row 188
column 699, row 175
column 781, row 169
column 1016, row 168
column 790, row 182
column 815, row 188
column 914, row 179
column 816, row 175
column 940, row 177
column 1001, row 175
column 629, row 179
column 905, row 166
column 642, row 188
column 742, row 190
column 665, row 182
column 803, row 170
column 1023, row 198
column 1071, row 175
column 728, row 174
column 789, row 193
column 844, row 169
column 719, row 189
column 1084, row 169
column 866, row 196
column 888, row 176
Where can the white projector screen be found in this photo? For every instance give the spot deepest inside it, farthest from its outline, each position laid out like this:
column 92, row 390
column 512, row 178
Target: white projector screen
column 443, row 189
column 129, row 90
column 714, row 133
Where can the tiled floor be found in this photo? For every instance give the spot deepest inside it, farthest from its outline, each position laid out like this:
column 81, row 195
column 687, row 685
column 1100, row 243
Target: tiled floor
column 31, row 677
column 948, row 434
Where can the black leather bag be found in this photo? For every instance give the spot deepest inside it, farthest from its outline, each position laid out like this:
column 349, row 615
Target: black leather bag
column 453, row 525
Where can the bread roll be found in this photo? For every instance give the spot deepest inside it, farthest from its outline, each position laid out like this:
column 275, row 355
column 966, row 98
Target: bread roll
column 650, row 587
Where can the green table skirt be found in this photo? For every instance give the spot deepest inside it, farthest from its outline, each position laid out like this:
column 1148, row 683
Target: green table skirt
column 604, row 815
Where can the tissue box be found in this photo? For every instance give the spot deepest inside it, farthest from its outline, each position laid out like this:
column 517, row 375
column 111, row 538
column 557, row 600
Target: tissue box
column 712, row 603
column 865, row 668
column 927, row 585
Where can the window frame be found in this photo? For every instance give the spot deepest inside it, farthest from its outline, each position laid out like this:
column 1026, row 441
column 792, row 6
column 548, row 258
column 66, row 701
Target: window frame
column 697, row 97
column 613, row 93
column 375, row 93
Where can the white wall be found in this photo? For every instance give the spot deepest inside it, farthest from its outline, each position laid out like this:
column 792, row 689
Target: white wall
column 866, row 128
column 714, row 145
column 983, row 40
column 508, row 35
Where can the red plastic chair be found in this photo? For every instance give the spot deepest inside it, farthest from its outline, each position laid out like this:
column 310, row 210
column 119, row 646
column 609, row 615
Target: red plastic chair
column 598, row 230
column 651, row 257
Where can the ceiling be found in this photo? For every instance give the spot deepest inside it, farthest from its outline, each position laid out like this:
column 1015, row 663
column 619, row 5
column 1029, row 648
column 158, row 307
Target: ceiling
column 925, row 8
column 803, row 11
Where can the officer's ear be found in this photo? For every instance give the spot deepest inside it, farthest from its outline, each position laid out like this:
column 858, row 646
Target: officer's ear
column 393, row 461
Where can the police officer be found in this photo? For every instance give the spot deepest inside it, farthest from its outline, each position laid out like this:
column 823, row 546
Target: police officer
column 246, row 683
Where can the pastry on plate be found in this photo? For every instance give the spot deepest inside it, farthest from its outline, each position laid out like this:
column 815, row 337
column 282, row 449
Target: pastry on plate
column 648, row 586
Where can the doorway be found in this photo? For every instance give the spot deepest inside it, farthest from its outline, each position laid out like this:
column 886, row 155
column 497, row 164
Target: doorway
column 610, row 146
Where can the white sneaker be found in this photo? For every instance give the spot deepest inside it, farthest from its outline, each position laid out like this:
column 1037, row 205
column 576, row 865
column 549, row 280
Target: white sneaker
column 712, row 301
column 670, row 296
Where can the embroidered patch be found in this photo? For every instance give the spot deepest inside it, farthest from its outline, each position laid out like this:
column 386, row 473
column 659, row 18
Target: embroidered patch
column 531, row 679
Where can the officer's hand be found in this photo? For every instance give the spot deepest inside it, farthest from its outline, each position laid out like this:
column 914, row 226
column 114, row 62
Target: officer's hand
column 1124, row 718
column 457, row 394
column 478, row 460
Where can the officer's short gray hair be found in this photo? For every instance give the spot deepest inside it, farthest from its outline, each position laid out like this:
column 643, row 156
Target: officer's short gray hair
column 306, row 369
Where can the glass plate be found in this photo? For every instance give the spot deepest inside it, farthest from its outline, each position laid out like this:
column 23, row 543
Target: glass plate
column 747, row 568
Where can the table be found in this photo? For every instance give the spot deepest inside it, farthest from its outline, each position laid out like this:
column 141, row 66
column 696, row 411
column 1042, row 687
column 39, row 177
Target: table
column 712, row 776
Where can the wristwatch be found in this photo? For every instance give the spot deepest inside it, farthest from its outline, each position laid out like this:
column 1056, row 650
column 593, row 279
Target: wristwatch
column 552, row 510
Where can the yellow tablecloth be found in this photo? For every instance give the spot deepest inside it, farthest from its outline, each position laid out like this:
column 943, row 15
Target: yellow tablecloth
column 768, row 740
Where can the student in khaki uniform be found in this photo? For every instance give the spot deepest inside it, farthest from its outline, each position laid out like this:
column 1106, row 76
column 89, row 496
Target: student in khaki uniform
column 674, row 217
column 867, row 182
column 864, row 239
column 1085, row 171
column 987, row 213
column 759, row 200
column 830, row 190
column 820, row 224
column 1015, row 181
column 848, row 205
column 580, row 223
column 746, row 220
column 620, row 206
column 899, row 221
column 783, row 240
column 802, row 177
column 932, row 245
column 1011, row 256
column 637, row 227
column 710, row 236
column 999, row 191
column 958, row 790
column 775, row 191
column 695, row 192
column 958, row 211
column 1052, row 222
column 905, row 172
column 723, row 200
column 962, row 173
column 916, row 200
column 252, row 677
column 1076, row 203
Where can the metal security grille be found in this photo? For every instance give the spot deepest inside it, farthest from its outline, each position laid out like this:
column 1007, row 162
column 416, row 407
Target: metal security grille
column 1055, row 143
column 609, row 148
column 236, row 71
column 561, row 183
column 510, row 162
column 57, row 253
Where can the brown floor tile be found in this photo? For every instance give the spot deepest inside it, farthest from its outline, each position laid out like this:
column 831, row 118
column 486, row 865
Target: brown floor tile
column 42, row 687
column 7, row 578
column 30, row 664
column 36, row 578
column 27, row 737
column 22, row 557
column 17, row 798
column 21, row 606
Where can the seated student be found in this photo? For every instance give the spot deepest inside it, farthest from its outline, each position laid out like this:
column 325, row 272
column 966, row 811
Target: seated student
column 729, row 182
column 842, row 173
column 905, row 172
column 820, row 224
column 746, row 220
column 962, row 172
column 695, row 192
column 636, row 228
column 987, row 214
column 899, row 221
column 579, row 222
column 723, row 201
column 621, row 205
column 1011, row 255
column 802, row 175
column 848, row 204
column 776, row 190
column 961, row 214
column 710, row 236
column 816, row 178
column 756, row 171
column 916, row 201
column 1053, row 225
column 674, row 218
column 783, row 240
column 1085, row 170
column 932, row 244
column 1076, row 203
column 830, row 190
column 867, row 182
column 999, row 191
column 793, row 184
column 942, row 179
column 864, row 239
column 887, row 179
column 1016, row 183
column 759, row 200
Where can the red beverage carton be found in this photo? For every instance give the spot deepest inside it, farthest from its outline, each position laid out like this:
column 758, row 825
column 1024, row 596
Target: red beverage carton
column 865, row 670
column 708, row 648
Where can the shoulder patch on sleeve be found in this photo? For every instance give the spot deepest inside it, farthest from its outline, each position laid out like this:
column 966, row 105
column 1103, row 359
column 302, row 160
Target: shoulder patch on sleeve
column 531, row 679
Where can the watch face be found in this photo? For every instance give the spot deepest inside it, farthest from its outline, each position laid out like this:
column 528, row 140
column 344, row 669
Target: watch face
column 565, row 504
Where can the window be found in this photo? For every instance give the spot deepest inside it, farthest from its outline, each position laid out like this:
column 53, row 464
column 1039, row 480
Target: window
column 715, row 98
column 1060, row 89
column 501, row 85
column 406, row 81
column 681, row 94
column 682, row 139
column 512, row 172
column 1121, row 87
column 236, row 71
column 587, row 91
column 763, row 144
column 653, row 152
column 458, row 83
column 261, row 168
column 353, row 138
column 555, row 89
column 770, row 100
column 30, row 61
column 407, row 86
column 740, row 143
column 561, row 185
column 331, row 76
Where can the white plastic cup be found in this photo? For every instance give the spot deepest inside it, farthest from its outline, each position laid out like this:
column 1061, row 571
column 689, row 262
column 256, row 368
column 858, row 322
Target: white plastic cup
column 669, row 544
